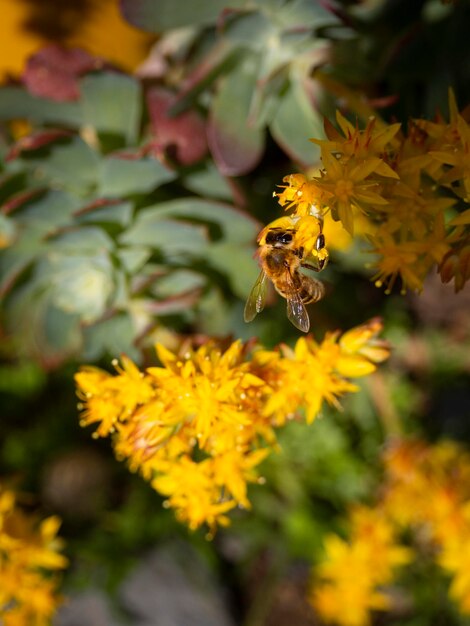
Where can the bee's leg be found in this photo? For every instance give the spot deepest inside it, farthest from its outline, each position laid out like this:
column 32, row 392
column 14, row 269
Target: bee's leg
column 318, row 268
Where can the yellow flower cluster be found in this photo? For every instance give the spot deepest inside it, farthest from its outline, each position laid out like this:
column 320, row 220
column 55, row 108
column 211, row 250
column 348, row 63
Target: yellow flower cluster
column 29, row 561
column 348, row 582
column 198, row 426
column 426, row 490
column 414, row 190
column 429, row 488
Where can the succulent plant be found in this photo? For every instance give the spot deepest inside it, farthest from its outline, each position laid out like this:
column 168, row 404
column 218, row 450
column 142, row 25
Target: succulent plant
column 102, row 238
column 281, row 65
column 250, row 64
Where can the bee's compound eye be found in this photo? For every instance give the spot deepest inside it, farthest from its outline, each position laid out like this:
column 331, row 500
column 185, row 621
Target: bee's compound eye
column 285, row 238
column 320, row 243
column 279, row 236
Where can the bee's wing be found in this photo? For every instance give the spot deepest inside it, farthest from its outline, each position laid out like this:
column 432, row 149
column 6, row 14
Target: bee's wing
column 257, row 298
column 296, row 311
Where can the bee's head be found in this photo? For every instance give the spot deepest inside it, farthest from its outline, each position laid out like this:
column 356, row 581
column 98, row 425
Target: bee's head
column 279, row 233
column 278, row 238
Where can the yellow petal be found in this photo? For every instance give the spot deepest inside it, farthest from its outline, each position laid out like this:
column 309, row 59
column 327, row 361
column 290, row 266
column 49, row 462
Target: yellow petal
column 354, row 339
column 354, row 366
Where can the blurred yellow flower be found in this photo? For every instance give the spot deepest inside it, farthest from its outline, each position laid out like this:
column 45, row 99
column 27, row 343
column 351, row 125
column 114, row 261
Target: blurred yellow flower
column 102, row 32
column 193, row 493
column 29, row 561
column 106, row 34
column 347, row 583
column 426, row 489
column 17, row 44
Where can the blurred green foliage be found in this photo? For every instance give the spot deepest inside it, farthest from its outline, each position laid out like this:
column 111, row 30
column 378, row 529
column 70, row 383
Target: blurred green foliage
column 106, row 244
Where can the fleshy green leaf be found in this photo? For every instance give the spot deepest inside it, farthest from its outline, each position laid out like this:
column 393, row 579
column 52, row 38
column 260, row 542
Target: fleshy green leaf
column 79, row 281
column 177, row 282
column 305, row 14
column 111, row 104
column 235, row 142
column 208, row 182
column 70, row 164
column 252, row 30
column 237, row 263
column 50, row 211
column 172, row 238
column 236, row 225
column 295, row 121
column 122, row 177
column 110, row 212
column 167, row 14
column 111, row 336
column 46, row 332
column 7, row 231
column 133, row 258
column 80, row 285
column 85, row 240
column 13, row 262
column 16, row 103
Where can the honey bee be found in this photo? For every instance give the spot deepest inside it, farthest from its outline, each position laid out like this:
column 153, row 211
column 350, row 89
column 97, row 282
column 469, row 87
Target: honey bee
column 285, row 246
